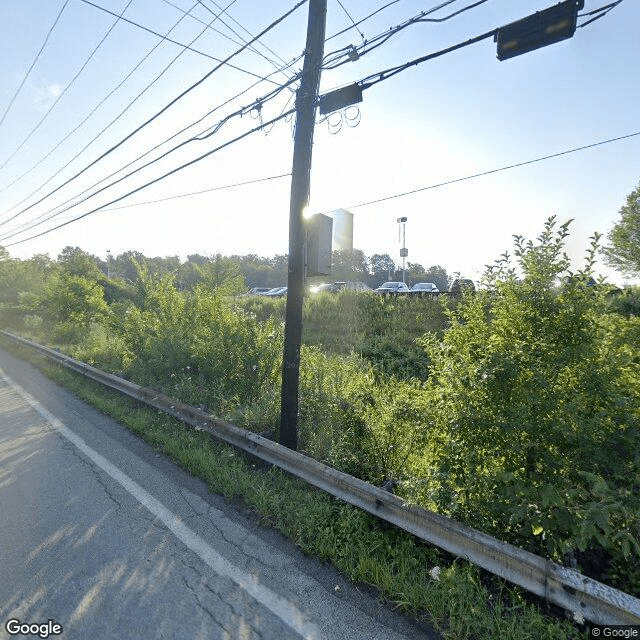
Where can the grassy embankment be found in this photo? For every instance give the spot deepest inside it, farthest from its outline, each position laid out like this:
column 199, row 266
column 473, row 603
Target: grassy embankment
column 462, row 601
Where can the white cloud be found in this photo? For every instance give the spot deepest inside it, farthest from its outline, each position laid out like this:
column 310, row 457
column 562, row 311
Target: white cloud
column 46, row 95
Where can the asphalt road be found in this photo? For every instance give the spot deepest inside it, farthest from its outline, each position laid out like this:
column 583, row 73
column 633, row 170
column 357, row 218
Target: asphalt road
column 104, row 537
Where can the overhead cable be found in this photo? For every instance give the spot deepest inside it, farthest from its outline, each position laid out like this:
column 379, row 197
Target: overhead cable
column 48, row 215
column 163, row 110
column 155, row 180
column 251, row 35
column 598, row 13
column 346, row 54
column 380, row 76
column 184, row 46
column 261, row 100
column 26, row 75
column 98, row 105
column 252, row 48
column 355, row 26
column 375, row 78
column 491, row 171
column 69, row 85
column 199, row 136
column 197, row 193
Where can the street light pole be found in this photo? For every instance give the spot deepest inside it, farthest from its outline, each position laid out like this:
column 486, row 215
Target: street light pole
column 306, row 99
column 403, row 239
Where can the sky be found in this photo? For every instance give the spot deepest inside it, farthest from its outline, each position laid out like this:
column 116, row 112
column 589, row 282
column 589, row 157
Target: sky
column 76, row 80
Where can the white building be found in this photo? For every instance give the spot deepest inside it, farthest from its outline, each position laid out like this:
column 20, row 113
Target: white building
column 342, row 230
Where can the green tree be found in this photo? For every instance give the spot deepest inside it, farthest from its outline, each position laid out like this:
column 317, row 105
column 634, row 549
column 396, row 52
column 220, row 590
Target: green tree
column 223, row 274
column 535, row 386
column 381, row 267
column 623, row 251
column 72, row 303
column 77, row 262
column 349, row 266
column 258, row 271
column 415, row 273
column 126, row 265
column 22, row 280
column 438, row 275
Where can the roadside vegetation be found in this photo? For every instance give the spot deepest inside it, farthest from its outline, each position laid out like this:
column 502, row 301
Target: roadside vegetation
column 515, row 410
column 458, row 599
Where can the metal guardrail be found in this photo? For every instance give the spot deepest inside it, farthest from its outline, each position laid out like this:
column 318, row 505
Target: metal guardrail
column 565, row 587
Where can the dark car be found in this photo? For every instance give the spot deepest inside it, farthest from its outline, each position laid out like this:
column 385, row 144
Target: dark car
column 461, row 285
column 424, row 289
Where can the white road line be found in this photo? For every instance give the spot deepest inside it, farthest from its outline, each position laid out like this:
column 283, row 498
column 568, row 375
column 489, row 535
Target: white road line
column 281, row 607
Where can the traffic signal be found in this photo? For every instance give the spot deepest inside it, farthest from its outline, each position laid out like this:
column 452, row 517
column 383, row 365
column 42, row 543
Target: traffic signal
column 538, row 30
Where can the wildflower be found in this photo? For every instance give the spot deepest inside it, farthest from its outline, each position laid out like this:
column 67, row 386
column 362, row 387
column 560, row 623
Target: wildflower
column 435, row 573
column 578, row 617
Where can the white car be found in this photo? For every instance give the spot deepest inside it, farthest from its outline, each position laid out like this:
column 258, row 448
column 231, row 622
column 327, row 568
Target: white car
column 276, row 292
column 392, row 287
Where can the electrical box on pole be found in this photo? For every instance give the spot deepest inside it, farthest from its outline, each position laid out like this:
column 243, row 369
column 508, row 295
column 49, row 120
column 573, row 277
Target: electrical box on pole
column 340, row 98
column 319, row 232
column 538, row 30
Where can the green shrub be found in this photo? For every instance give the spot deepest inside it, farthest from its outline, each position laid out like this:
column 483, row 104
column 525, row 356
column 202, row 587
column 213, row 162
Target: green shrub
column 535, row 403
column 626, row 302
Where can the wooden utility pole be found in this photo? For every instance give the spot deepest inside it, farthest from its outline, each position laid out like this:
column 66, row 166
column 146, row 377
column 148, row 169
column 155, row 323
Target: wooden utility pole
column 306, row 98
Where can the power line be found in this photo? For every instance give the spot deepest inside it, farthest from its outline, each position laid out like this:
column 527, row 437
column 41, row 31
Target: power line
column 251, row 35
column 254, row 49
column 380, row 76
column 491, row 171
column 98, row 105
column 203, row 136
column 261, row 100
column 598, row 13
column 163, row 110
column 155, row 180
column 346, row 54
column 197, row 193
column 66, row 137
column 114, row 120
column 69, row 85
column 184, row 46
column 218, row 31
column 44, row 44
column 355, row 26
column 155, row 33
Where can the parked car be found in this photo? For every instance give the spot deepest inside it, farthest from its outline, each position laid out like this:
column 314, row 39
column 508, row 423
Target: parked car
column 258, row 291
column 424, row 289
column 461, row 285
column 392, row 288
column 325, row 286
column 338, row 286
column 276, row 292
column 352, row 286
